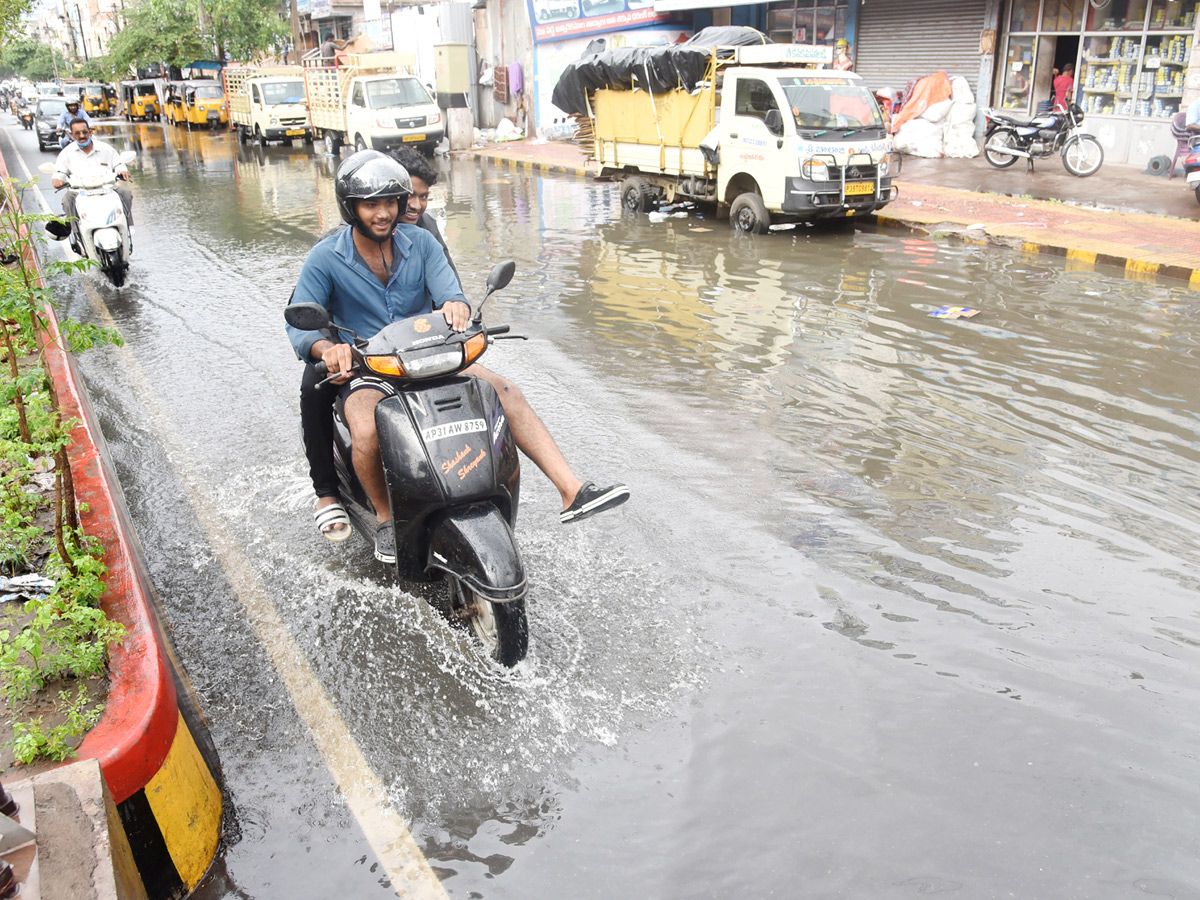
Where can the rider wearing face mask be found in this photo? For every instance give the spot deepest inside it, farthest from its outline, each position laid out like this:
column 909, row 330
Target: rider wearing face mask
column 90, row 154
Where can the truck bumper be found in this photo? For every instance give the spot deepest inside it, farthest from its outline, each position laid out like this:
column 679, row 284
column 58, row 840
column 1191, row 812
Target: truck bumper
column 816, row 199
column 430, row 138
column 281, row 134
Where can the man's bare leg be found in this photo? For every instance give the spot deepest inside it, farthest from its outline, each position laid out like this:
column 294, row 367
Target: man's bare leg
column 368, row 464
column 531, row 434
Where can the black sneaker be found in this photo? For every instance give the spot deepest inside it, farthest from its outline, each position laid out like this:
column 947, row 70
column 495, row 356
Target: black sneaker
column 385, row 543
column 591, row 500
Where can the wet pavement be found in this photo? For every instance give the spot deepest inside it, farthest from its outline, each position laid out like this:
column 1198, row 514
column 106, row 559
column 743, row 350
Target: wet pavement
column 900, row 605
column 1121, row 216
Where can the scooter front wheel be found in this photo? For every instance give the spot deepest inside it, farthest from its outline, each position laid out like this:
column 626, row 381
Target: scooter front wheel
column 502, row 628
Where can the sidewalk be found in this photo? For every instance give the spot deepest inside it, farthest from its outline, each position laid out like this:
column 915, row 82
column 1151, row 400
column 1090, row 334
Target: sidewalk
column 1147, row 225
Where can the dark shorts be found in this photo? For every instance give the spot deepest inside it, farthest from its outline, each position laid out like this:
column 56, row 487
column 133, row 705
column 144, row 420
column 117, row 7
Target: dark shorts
column 359, row 383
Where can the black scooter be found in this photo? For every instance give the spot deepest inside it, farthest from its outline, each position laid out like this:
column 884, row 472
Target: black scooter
column 450, row 461
column 25, row 114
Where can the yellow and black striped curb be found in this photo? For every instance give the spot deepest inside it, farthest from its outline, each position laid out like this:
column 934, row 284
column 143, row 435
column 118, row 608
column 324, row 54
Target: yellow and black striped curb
column 1076, row 260
column 174, row 823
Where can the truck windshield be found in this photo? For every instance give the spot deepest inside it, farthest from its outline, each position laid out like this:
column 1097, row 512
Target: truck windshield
column 830, row 103
column 396, row 92
column 209, row 92
column 283, row 92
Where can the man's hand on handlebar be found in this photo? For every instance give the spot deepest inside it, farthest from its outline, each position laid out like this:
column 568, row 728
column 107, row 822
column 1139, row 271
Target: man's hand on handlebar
column 337, row 358
column 457, row 314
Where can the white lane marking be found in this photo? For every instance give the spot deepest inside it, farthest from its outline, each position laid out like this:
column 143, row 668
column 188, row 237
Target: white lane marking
column 397, row 852
column 28, row 175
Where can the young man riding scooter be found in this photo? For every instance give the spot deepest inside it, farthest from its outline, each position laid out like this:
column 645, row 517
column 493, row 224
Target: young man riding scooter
column 380, row 271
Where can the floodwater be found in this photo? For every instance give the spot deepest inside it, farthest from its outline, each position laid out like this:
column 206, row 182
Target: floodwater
column 901, row 605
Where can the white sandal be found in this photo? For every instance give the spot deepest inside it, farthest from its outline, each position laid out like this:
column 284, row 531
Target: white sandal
column 330, row 516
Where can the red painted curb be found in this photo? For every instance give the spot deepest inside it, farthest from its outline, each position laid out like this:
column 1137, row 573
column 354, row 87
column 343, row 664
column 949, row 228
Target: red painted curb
column 137, row 728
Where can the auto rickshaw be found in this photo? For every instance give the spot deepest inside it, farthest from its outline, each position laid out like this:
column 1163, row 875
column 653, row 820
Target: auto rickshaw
column 196, row 103
column 95, row 100
column 141, row 100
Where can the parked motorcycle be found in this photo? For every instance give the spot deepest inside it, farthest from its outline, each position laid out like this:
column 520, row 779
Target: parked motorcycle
column 100, row 232
column 1191, row 167
column 450, row 462
column 1009, row 137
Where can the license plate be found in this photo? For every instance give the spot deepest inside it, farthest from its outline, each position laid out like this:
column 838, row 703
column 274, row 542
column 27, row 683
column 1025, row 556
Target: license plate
column 294, row 132
column 861, row 187
column 410, row 138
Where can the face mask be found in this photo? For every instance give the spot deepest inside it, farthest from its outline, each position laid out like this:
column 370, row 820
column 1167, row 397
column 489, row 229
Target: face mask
column 86, row 143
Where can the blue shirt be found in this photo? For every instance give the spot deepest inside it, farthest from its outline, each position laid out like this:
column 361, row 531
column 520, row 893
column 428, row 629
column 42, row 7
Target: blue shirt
column 336, row 277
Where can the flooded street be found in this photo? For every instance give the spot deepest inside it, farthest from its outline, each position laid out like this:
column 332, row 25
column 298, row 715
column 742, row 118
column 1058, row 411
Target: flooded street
column 900, row 605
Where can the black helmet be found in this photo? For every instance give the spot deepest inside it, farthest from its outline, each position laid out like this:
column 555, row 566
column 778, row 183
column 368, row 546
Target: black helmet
column 370, row 175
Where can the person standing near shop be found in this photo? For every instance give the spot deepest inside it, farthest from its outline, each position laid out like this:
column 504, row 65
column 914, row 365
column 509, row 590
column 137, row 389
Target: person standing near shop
column 1064, row 84
column 842, row 61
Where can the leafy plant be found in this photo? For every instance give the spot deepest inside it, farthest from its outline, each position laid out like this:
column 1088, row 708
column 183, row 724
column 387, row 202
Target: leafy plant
column 64, row 634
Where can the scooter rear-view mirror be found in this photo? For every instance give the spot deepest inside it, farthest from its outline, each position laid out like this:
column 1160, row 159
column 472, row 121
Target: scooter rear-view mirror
column 48, row 168
column 500, row 276
column 307, row 316
column 60, row 231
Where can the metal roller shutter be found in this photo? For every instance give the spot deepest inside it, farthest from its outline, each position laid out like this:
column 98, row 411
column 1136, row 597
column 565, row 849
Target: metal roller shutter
column 899, row 40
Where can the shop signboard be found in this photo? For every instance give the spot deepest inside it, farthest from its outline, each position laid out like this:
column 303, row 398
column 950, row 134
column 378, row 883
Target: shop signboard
column 555, row 20
column 322, row 9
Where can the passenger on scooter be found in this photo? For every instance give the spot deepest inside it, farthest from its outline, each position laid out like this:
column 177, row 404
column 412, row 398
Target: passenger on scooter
column 379, row 271
column 88, row 154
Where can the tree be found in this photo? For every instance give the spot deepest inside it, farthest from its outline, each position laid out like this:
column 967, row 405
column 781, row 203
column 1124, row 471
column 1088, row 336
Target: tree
column 30, row 58
column 171, row 32
column 11, row 12
column 99, row 68
column 166, row 31
column 246, row 28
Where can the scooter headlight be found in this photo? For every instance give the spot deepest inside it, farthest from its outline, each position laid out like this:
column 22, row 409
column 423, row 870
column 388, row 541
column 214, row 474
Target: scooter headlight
column 439, row 362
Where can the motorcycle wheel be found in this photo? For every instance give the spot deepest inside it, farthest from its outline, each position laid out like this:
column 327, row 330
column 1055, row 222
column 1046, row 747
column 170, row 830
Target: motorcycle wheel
column 1198, row 193
column 1001, row 137
column 1082, row 155
column 501, row 628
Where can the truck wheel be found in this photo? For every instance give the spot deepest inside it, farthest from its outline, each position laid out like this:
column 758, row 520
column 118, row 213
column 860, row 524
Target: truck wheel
column 636, row 195
column 359, row 144
column 332, row 143
column 241, row 133
column 260, row 137
column 748, row 213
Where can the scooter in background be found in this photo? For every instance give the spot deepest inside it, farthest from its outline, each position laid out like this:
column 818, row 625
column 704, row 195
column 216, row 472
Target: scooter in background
column 1191, row 167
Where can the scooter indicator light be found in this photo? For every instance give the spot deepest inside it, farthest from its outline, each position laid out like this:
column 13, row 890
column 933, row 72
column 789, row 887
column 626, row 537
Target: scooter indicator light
column 386, row 365
column 473, row 348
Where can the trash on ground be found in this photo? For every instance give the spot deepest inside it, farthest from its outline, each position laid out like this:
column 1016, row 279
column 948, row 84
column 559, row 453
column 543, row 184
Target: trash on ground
column 954, row 312
column 24, row 587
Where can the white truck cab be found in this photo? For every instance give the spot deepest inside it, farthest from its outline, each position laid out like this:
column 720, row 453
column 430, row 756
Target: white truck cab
column 372, row 100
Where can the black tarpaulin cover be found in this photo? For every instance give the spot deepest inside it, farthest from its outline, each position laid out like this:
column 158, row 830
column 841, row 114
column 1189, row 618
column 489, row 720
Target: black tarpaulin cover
column 656, row 69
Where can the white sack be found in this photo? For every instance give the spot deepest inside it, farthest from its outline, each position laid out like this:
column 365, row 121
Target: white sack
column 960, row 143
column 961, row 90
column 918, row 137
column 937, row 111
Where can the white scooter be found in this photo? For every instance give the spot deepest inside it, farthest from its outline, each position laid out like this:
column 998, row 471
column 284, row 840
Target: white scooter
column 100, row 233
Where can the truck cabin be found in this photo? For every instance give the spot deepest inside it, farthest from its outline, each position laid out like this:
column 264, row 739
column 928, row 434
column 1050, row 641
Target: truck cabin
column 277, row 93
column 830, row 108
column 390, row 93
